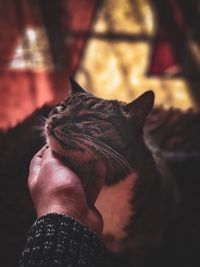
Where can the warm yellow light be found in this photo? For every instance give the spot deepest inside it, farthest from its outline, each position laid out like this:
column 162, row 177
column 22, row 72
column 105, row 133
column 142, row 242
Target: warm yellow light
column 116, row 68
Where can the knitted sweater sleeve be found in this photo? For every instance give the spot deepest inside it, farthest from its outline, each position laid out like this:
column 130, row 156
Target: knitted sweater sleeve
column 58, row 240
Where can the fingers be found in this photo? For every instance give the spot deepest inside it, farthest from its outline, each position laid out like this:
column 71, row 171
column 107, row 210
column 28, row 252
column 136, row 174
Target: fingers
column 50, row 156
column 53, row 163
column 37, row 159
column 35, row 165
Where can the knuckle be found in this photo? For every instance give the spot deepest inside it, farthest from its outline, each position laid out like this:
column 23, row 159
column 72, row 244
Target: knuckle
column 68, row 189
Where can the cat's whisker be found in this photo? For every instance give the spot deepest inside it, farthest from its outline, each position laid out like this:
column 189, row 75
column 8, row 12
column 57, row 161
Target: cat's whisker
column 44, row 119
column 105, row 153
column 105, row 150
column 96, row 146
column 38, row 128
column 119, row 156
column 108, row 152
column 116, row 158
column 84, row 145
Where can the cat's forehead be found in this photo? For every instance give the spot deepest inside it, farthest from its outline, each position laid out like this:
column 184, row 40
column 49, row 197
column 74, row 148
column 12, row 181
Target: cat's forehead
column 88, row 101
column 82, row 98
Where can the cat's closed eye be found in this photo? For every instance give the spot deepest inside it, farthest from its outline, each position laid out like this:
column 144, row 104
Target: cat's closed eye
column 85, row 117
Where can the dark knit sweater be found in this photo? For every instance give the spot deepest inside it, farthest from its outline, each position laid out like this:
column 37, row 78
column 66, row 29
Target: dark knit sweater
column 58, row 240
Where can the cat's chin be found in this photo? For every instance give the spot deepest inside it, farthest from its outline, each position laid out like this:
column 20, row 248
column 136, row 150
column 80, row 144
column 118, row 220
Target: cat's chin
column 75, row 155
column 79, row 160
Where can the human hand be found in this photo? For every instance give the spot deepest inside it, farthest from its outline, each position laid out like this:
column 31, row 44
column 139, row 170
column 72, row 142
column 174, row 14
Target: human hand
column 56, row 188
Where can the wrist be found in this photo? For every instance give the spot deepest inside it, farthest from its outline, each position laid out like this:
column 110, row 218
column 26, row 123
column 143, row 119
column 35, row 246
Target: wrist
column 74, row 213
column 90, row 218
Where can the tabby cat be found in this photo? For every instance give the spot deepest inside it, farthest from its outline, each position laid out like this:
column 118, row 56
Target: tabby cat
column 101, row 138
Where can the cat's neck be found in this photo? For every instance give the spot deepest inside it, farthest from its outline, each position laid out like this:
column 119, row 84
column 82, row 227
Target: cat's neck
column 145, row 164
column 92, row 173
column 146, row 199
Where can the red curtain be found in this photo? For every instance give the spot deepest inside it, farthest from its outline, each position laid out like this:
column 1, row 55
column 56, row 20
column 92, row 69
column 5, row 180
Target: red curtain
column 169, row 46
column 66, row 23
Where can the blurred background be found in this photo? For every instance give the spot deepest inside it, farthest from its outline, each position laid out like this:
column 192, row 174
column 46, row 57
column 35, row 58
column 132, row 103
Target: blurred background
column 115, row 49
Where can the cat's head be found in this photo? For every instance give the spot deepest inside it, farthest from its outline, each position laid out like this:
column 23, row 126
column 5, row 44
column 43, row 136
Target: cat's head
column 83, row 127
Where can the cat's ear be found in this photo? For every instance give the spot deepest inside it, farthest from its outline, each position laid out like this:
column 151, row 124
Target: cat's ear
column 75, row 87
column 141, row 106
